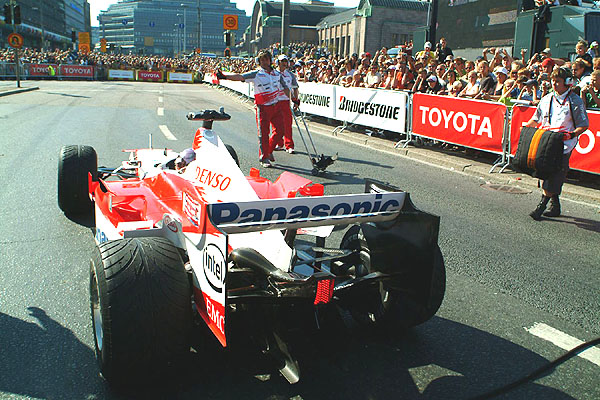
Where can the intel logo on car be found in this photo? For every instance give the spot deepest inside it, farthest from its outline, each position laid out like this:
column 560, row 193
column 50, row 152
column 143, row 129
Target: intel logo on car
column 214, row 266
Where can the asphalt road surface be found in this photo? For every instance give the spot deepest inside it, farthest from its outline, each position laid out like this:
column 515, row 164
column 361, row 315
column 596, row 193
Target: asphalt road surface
column 518, row 291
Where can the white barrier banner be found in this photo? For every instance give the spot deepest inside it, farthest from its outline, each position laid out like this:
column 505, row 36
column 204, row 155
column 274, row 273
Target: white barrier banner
column 317, row 99
column 179, row 76
column 236, row 86
column 382, row 109
column 121, row 74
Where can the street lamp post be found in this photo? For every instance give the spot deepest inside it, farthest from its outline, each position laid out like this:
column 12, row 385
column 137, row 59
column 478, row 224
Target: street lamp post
column 184, row 26
column 199, row 25
column 41, row 24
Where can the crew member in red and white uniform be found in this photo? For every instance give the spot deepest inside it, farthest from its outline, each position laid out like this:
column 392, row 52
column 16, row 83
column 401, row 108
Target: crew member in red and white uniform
column 269, row 87
column 284, row 104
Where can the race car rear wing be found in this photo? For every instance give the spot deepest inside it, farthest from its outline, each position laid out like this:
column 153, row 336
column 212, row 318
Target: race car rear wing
column 302, row 212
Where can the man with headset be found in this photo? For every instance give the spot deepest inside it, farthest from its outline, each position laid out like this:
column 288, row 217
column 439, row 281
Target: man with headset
column 269, row 86
column 561, row 111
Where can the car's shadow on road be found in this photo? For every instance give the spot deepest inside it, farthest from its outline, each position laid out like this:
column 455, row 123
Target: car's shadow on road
column 441, row 359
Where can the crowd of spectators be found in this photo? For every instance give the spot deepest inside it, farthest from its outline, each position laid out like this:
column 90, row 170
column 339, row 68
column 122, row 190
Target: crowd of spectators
column 104, row 60
column 494, row 76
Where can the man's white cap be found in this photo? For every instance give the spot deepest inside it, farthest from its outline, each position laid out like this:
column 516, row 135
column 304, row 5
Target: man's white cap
column 427, row 44
column 500, row 69
column 282, row 57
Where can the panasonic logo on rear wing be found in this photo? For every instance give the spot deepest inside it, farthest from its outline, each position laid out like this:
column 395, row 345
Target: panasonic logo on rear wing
column 303, row 212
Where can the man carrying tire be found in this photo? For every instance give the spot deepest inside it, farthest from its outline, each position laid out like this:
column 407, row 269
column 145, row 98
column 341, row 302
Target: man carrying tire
column 269, row 86
column 561, row 111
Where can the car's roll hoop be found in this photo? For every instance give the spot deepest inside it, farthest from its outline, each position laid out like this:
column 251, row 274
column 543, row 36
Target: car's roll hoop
column 208, row 116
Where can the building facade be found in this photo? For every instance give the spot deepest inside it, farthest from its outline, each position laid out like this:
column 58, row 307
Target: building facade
column 372, row 25
column 56, row 19
column 168, row 27
column 265, row 24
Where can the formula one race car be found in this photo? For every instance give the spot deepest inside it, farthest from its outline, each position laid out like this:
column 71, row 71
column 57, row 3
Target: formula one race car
column 201, row 239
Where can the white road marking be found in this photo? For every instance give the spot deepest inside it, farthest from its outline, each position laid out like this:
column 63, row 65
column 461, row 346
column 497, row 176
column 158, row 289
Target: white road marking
column 564, row 341
column 165, row 130
column 160, row 111
column 160, row 99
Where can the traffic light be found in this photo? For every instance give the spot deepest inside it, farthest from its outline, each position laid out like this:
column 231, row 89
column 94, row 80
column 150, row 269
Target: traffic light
column 7, row 14
column 73, row 36
column 227, row 52
column 17, row 15
column 227, row 38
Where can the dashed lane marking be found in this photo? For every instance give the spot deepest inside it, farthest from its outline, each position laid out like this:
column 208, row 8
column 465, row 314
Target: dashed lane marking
column 165, row 130
column 160, row 99
column 160, row 111
column 564, row 341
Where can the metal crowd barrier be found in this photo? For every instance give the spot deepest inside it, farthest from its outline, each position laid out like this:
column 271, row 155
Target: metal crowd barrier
column 481, row 125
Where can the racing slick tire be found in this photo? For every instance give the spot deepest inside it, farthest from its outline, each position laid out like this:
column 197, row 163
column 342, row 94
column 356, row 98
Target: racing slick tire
column 233, row 154
column 387, row 305
column 140, row 300
column 74, row 164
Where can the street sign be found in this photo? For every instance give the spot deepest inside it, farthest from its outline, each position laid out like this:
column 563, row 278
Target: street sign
column 181, row 26
column 151, row 24
column 103, row 45
column 84, row 48
column 84, row 37
column 124, row 22
column 230, row 22
column 15, row 40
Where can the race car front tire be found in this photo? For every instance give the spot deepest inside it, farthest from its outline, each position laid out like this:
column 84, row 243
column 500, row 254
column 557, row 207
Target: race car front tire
column 140, row 300
column 386, row 305
column 74, row 164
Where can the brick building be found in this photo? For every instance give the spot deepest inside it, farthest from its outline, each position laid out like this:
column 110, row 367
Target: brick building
column 372, row 25
column 265, row 25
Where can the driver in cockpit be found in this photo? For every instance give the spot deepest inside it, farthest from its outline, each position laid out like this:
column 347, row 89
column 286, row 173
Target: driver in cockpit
column 181, row 162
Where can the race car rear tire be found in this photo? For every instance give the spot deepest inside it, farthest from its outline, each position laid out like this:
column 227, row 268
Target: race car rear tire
column 74, row 164
column 233, row 154
column 384, row 305
column 140, row 299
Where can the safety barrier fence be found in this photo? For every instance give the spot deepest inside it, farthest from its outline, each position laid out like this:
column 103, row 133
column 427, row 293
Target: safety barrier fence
column 482, row 125
column 75, row 71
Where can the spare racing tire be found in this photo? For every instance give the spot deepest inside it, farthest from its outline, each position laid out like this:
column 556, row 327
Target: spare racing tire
column 386, row 305
column 140, row 299
column 233, row 154
column 74, row 164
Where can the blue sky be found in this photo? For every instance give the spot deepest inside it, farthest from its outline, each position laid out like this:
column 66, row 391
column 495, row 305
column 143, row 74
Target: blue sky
column 99, row 5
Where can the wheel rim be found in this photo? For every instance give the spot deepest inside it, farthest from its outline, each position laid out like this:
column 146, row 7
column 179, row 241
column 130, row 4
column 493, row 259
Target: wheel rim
column 96, row 314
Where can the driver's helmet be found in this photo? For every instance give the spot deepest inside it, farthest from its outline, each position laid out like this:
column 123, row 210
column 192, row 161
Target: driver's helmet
column 185, row 158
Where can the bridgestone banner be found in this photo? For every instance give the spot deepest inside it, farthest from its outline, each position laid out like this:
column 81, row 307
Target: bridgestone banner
column 585, row 157
column 121, row 74
column 382, row 109
column 470, row 123
column 184, row 77
column 151, row 76
column 77, row 71
column 317, row 99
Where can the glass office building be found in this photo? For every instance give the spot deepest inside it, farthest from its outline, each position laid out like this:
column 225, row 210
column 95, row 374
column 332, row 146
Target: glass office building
column 56, row 18
column 168, row 27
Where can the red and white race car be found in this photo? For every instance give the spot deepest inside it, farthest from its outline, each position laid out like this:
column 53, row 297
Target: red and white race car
column 206, row 239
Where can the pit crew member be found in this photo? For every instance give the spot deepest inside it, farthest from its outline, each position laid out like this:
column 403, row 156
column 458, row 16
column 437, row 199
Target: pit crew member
column 561, row 111
column 269, row 86
column 284, row 105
